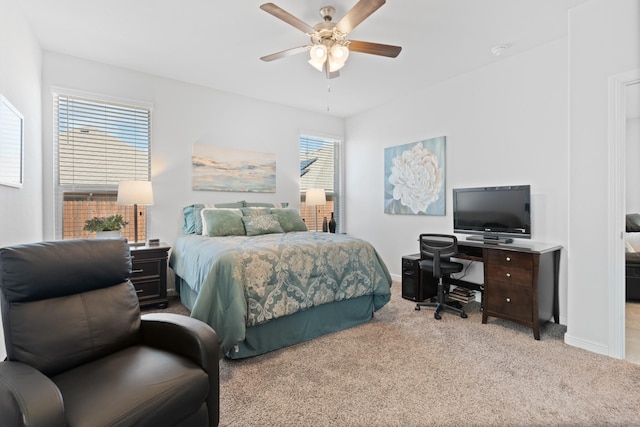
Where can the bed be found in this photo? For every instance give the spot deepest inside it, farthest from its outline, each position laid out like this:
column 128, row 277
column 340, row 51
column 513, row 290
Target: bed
column 265, row 291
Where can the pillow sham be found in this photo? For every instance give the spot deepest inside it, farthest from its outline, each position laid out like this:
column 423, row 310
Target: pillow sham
column 261, row 224
column 255, row 211
column 191, row 219
column 258, row 205
column 632, row 223
column 289, row 219
column 222, row 222
column 236, row 205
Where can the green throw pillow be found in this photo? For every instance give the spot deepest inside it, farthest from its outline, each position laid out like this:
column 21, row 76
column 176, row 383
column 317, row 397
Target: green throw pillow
column 222, row 222
column 261, row 224
column 289, row 219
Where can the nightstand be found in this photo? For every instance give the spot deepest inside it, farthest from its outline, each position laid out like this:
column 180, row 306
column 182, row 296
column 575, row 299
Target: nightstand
column 149, row 273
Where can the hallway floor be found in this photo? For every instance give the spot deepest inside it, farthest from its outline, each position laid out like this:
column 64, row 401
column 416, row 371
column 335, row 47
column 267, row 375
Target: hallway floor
column 632, row 332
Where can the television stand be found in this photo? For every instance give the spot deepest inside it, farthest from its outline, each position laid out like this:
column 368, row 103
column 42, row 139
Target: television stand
column 490, row 239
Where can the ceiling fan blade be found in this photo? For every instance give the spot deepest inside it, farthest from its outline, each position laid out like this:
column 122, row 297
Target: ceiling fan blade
column 357, row 14
column 282, row 14
column 374, row 48
column 288, row 52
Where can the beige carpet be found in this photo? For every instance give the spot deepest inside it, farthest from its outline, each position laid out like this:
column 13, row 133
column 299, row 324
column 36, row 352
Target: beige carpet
column 404, row 368
column 632, row 332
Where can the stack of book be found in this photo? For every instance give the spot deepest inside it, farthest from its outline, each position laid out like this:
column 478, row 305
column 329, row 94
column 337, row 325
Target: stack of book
column 462, row 295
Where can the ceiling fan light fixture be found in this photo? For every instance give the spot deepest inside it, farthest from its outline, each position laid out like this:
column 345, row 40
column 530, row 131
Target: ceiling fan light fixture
column 329, row 48
column 318, row 65
column 318, row 52
column 339, row 53
column 335, row 66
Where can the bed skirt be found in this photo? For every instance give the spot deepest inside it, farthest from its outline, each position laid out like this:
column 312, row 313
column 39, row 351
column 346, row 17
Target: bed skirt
column 295, row 328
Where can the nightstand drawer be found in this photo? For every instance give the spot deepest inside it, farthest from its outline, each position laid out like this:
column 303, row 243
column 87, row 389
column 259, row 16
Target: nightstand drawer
column 508, row 300
column 147, row 289
column 145, row 269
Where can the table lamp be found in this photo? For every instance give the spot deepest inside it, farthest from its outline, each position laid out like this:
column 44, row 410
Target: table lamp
column 135, row 193
column 316, row 197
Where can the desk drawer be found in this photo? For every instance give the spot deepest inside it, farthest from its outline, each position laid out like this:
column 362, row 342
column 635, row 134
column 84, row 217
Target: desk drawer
column 512, row 301
column 512, row 259
column 145, row 269
column 514, row 276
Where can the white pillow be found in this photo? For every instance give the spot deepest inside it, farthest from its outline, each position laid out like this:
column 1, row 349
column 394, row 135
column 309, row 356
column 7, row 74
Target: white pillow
column 628, row 248
column 633, row 240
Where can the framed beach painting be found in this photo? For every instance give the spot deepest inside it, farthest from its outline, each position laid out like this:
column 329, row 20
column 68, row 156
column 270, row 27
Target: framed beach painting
column 227, row 169
column 414, row 178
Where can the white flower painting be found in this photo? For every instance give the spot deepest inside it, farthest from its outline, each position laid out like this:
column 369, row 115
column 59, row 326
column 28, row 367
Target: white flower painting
column 415, row 178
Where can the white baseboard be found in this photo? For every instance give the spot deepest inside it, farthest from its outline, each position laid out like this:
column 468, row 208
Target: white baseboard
column 586, row 345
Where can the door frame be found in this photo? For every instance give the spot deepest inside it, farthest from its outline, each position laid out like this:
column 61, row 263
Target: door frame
column 618, row 85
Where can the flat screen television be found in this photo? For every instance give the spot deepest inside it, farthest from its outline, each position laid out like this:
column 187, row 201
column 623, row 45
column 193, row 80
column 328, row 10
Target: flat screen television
column 493, row 214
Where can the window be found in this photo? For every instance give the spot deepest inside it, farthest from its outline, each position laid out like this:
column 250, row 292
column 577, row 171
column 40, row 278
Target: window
column 97, row 145
column 320, row 168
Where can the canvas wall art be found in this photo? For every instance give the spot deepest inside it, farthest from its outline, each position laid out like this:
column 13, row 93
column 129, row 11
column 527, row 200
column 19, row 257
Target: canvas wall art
column 228, row 169
column 414, row 178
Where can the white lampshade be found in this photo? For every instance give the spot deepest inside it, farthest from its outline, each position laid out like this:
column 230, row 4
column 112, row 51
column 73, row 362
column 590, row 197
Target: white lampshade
column 316, row 197
column 135, row 193
column 318, row 52
column 340, row 53
column 318, row 55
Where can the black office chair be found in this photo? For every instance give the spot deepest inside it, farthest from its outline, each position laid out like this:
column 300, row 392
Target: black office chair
column 435, row 250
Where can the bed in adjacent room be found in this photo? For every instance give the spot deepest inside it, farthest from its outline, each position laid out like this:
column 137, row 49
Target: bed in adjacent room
column 263, row 282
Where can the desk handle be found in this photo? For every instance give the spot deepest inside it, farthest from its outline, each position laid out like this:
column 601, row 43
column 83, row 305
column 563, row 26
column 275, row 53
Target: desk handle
column 508, row 258
column 140, row 270
column 508, row 299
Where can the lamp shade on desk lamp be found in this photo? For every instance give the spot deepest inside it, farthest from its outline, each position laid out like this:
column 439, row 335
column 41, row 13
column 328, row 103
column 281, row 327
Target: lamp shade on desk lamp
column 135, row 193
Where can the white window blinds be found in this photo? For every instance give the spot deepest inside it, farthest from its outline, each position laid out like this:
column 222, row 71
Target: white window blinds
column 101, row 143
column 98, row 144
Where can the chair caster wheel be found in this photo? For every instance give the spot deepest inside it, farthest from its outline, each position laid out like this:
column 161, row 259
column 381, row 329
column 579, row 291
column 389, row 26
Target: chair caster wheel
column 437, row 316
column 463, row 315
column 417, row 308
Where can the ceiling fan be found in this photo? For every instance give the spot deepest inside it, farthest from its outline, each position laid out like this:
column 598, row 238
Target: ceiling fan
column 329, row 48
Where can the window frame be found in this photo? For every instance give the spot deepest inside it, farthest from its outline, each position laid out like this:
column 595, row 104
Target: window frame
column 337, row 195
column 87, row 188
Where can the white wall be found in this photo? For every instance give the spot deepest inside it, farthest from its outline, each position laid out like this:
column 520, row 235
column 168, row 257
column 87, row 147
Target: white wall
column 184, row 114
column 604, row 41
column 20, row 60
column 506, row 124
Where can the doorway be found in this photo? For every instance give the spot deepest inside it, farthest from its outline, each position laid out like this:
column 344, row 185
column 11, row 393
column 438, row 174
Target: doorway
column 622, row 89
column 632, row 205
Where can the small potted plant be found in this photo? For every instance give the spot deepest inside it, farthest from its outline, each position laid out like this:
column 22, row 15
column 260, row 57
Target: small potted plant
column 105, row 227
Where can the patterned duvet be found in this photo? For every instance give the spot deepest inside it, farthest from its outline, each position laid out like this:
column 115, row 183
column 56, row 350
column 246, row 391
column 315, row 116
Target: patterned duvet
column 245, row 281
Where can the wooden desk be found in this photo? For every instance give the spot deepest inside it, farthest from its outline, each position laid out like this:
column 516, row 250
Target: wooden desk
column 520, row 280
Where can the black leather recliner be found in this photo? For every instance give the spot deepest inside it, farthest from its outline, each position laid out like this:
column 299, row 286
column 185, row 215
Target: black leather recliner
column 80, row 354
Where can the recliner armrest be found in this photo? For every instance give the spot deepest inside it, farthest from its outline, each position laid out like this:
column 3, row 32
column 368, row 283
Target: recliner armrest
column 190, row 338
column 182, row 335
column 28, row 397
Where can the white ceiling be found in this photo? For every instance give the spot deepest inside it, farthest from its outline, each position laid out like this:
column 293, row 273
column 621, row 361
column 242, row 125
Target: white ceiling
column 218, row 44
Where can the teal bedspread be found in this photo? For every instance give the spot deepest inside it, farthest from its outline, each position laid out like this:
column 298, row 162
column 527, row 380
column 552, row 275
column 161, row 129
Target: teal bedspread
column 245, row 281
